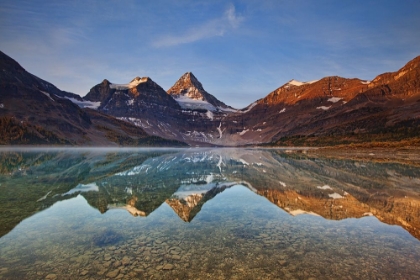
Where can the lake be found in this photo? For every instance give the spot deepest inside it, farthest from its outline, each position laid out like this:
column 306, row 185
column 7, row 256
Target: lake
column 95, row 213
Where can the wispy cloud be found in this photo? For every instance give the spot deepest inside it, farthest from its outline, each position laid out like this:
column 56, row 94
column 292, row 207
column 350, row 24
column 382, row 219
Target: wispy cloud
column 213, row 28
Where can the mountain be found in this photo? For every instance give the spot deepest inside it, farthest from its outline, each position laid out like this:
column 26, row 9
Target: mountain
column 33, row 111
column 336, row 110
column 330, row 111
column 186, row 112
column 139, row 96
column 190, row 94
column 141, row 102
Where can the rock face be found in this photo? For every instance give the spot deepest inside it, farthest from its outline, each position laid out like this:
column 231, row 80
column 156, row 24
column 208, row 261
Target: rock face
column 33, row 111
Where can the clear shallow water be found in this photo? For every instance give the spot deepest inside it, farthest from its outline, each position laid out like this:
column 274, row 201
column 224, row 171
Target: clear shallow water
column 199, row 214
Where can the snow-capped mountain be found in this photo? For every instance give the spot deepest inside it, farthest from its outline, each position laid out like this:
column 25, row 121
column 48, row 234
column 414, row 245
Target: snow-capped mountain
column 190, row 94
column 332, row 110
column 185, row 112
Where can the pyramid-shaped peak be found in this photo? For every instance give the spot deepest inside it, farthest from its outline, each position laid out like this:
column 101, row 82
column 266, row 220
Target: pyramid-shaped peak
column 188, row 87
column 188, row 84
column 188, row 80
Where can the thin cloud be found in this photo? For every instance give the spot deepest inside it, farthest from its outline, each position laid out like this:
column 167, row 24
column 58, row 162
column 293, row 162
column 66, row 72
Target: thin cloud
column 213, row 28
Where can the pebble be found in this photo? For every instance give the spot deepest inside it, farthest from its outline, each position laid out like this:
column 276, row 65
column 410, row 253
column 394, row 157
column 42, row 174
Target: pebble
column 113, row 273
column 168, row 266
column 126, row 261
column 282, row 262
column 51, row 276
column 117, row 264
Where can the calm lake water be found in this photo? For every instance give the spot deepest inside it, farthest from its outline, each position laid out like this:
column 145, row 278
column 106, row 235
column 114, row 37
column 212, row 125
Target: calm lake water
column 206, row 213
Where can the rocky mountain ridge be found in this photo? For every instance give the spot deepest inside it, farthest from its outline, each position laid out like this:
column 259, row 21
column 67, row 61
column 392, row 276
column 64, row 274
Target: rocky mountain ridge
column 329, row 111
column 33, row 111
column 332, row 110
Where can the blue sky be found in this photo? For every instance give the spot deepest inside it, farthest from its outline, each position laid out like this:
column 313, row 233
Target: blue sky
column 239, row 50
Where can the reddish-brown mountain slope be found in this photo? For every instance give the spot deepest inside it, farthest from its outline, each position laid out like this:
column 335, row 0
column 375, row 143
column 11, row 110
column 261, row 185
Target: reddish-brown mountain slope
column 347, row 110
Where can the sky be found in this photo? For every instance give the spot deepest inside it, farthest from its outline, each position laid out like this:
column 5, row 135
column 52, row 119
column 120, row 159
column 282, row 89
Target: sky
column 239, row 50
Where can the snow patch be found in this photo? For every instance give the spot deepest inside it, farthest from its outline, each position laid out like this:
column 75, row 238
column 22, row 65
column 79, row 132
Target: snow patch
column 323, row 107
column 1, row 105
column 84, row 103
column 136, row 122
column 249, row 107
column 365, row 82
column 243, row 132
column 130, row 102
column 227, row 109
column 219, row 164
column 209, row 178
column 47, row 94
column 325, row 187
column 44, row 197
column 298, row 83
column 300, row 212
column 243, row 162
column 282, row 183
column 220, row 130
column 83, row 188
column 131, row 209
column 132, row 84
column 209, row 115
column 334, row 99
column 282, row 110
column 188, row 103
column 335, row 196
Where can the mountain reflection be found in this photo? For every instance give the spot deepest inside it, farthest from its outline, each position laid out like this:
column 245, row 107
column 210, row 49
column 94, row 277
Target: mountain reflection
column 141, row 181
